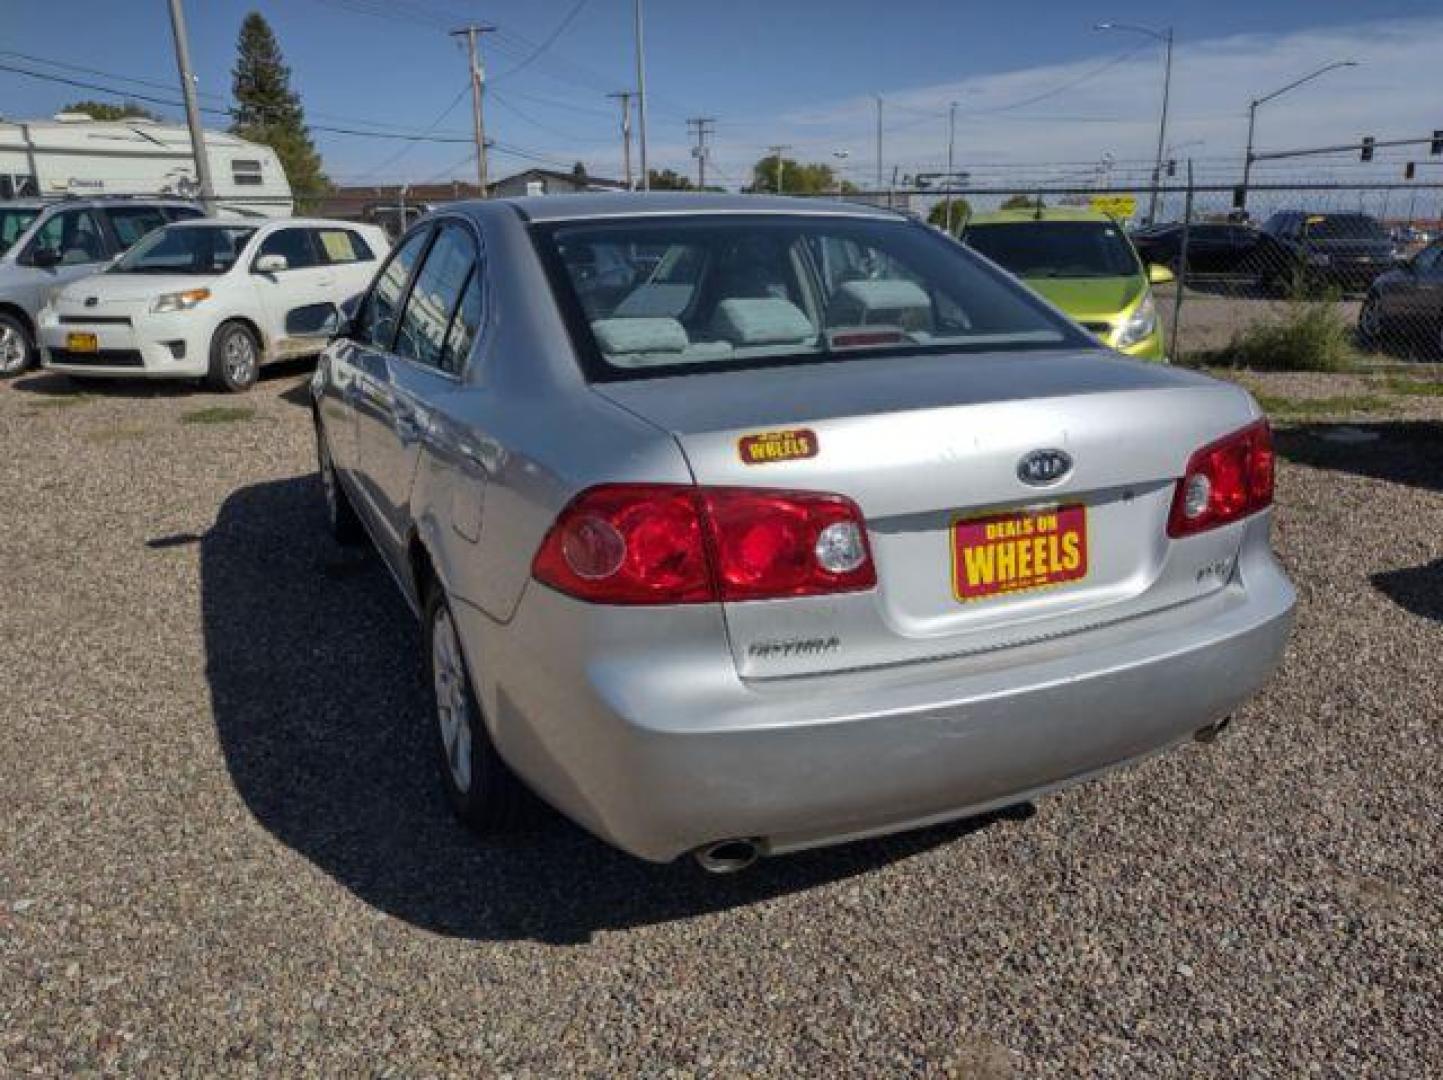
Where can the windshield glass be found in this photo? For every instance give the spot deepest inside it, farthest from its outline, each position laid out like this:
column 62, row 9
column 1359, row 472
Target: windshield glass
column 1346, row 227
column 186, row 249
column 14, row 220
column 1056, row 249
column 651, row 293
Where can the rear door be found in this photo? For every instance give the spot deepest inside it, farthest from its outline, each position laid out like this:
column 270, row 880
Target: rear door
column 404, row 384
column 351, row 259
column 305, row 281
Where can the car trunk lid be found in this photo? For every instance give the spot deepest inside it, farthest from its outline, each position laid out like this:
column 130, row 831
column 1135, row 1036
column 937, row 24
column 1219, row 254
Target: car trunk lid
column 930, row 449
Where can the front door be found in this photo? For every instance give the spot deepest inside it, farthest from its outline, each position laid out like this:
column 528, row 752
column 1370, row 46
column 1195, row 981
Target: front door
column 306, row 280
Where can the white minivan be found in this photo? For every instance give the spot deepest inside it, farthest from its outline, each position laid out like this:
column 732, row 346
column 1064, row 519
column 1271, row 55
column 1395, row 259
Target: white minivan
column 211, row 298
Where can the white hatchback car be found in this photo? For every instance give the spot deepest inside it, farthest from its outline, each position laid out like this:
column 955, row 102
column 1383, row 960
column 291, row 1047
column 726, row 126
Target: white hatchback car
column 211, row 298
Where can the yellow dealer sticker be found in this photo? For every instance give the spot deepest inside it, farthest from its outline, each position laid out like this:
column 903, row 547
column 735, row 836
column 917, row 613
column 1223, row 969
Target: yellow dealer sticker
column 772, row 446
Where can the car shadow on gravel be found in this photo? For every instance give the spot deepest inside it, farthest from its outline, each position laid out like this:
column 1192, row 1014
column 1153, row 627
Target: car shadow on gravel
column 1418, row 589
column 1400, row 452
column 320, row 707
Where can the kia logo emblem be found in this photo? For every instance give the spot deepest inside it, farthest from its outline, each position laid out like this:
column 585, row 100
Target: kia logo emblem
column 1042, row 468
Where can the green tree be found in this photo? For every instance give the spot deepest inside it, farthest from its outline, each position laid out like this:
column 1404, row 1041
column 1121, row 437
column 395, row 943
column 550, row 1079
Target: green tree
column 100, row 110
column 269, row 112
column 796, row 177
column 961, row 211
column 1023, row 202
column 670, row 180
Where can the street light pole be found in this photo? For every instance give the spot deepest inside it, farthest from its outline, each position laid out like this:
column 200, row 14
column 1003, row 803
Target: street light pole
column 1164, row 36
column 951, row 147
column 1253, row 116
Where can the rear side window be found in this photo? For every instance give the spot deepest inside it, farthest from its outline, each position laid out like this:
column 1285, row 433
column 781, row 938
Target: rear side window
column 378, row 316
column 343, row 246
column 132, row 222
column 434, row 298
column 294, row 244
column 465, row 324
column 183, row 213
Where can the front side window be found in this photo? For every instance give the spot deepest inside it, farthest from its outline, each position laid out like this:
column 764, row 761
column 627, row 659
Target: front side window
column 132, row 222
column 379, row 313
column 186, row 249
column 294, row 244
column 709, row 292
column 70, row 237
column 443, row 277
column 1056, row 249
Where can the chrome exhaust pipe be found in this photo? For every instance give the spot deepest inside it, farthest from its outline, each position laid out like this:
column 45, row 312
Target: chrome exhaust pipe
column 727, row 856
column 1212, row 731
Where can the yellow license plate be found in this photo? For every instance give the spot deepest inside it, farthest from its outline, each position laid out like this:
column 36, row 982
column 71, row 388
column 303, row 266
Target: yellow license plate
column 1007, row 553
column 82, row 343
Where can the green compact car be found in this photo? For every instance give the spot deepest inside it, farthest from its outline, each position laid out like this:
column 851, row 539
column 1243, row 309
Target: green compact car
column 1083, row 262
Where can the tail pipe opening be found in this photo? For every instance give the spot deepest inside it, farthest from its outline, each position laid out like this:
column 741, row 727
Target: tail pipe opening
column 727, row 856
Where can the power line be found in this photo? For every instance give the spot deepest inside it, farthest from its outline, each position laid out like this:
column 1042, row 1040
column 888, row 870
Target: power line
column 399, row 154
column 548, row 42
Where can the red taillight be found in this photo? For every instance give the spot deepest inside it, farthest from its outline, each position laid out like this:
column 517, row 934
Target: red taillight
column 1224, row 481
column 669, row 544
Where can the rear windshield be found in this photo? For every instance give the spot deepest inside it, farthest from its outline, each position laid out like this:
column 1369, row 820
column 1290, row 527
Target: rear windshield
column 646, row 295
column 186, row 249
column 14, row 220
column 1056, row 249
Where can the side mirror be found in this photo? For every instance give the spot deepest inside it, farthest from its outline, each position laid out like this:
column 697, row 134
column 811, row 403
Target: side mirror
column 44, row 257
column 314, row 321
column 270, row 264
column 1159, row 275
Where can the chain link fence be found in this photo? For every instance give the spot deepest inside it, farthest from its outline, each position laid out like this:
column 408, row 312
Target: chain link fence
column 1305, row 276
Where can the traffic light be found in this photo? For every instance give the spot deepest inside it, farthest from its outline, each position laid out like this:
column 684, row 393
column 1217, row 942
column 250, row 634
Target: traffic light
column 1240, row 197
column 1367, row 153
column 1436, row 146
column 1410, row 170
column 1172, row 166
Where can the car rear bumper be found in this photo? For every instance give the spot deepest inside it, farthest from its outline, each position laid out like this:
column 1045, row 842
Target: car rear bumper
column 659, row 747
column 154, row 346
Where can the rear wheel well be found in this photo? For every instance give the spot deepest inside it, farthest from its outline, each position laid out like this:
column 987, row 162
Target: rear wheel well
column 423, row 573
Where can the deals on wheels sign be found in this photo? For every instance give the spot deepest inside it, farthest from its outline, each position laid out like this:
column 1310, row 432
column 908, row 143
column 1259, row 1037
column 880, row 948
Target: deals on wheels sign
column 1120, row 207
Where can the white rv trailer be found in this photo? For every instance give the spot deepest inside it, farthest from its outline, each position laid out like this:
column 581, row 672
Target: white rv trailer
column 75, row 155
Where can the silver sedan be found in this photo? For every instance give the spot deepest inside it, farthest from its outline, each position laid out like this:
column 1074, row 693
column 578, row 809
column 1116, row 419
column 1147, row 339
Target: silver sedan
column 739, row 525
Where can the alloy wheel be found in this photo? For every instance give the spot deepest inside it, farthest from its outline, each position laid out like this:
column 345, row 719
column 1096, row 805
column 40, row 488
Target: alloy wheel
column 453, row 699
column 13, row 349
column 239, row 356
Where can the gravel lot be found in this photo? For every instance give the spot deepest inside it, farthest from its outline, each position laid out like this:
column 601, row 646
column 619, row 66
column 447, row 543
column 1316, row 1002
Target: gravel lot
column 224, row 852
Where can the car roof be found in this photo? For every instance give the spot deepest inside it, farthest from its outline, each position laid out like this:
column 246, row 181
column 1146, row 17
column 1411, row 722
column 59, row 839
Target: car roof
column 592, row 205
column 1047, row 213
column 262, row 222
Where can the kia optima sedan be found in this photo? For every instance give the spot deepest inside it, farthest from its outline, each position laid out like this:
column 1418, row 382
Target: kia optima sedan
column 739, row 525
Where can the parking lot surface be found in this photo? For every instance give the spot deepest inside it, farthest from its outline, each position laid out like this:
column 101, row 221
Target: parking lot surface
column 225, row 851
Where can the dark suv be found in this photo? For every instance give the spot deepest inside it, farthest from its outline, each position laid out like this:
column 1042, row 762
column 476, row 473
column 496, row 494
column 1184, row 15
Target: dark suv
column 44, row 244
column 1346, row 250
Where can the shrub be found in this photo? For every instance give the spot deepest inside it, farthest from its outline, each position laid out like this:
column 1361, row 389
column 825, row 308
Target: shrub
column 1307, row 337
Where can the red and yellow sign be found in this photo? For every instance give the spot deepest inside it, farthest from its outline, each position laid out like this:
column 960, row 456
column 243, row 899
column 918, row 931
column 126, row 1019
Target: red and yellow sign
column 773, row 446
column 1004, row 553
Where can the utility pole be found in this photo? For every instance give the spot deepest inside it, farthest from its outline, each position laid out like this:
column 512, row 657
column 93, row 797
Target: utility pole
column 625, row 96
column 879, row 142
column 701, row 127
column 641, row 94
column 951, row 148
column 192, row 109
column 777, row 150
column 478, row 78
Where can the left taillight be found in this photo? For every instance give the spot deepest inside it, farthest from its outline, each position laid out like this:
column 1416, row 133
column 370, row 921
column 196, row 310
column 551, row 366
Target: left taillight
column 1224, row 481
column 672, row 544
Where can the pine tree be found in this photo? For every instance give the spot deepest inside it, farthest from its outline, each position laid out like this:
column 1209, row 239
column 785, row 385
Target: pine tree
column 269, row 112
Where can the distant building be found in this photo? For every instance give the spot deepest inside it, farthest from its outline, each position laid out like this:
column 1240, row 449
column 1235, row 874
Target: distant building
column 551, row 182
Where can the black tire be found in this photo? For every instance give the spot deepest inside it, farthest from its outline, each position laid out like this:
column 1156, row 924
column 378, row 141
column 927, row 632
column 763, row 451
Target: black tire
column 484, row 794
column 1371, row 327
column 17, row 347
column 235, row 358
column 341, row 518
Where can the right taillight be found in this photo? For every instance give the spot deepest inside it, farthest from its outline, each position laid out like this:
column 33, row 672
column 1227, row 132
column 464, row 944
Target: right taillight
column 1224, row 481
column 673, row 544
